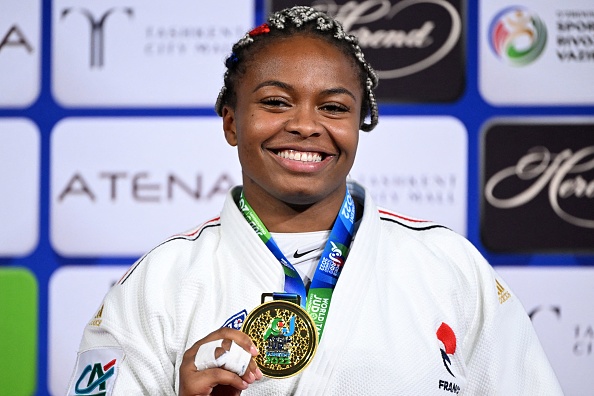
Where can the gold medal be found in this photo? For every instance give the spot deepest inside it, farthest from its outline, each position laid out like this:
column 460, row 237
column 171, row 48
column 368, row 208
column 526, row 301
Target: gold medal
column 285, row 335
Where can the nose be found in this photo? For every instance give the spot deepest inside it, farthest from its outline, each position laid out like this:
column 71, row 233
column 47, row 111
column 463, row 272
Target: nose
column 303, row 121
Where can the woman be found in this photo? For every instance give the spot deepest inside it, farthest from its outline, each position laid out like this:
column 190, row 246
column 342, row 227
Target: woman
column 414, row 309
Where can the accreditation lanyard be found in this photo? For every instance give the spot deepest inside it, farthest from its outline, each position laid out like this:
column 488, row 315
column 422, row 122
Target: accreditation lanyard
column 329, row 267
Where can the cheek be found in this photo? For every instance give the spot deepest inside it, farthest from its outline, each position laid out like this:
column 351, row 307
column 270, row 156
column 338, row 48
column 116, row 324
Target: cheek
column 350, row 139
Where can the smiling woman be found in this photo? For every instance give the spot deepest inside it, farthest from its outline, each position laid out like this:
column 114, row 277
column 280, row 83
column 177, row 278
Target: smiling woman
column 295, row 106
column 363, row 301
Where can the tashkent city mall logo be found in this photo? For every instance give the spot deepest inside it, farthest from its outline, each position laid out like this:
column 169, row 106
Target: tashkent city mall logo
column 517, row 36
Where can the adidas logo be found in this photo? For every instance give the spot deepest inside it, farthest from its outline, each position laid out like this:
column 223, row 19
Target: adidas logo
column 96, row 321
column 503, row 294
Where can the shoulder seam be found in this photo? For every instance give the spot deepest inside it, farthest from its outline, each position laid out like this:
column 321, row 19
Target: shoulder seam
column 418, row 228
column 187, row 237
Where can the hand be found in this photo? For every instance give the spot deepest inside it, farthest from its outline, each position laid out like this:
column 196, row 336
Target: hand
column 217, row 381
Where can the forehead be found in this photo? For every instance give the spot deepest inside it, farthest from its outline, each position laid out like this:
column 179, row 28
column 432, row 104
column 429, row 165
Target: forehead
column 303, row 58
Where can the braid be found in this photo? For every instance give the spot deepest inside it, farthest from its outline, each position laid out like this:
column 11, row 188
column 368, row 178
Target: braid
column 304, row 20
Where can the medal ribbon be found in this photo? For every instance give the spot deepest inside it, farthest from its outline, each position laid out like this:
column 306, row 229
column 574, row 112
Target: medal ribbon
column 329, row 267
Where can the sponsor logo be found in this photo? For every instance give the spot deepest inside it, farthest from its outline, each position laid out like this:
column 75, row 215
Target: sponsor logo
column 540, row 172
column 560, row 171
column 333, row 264
column 584, row 340
column 438, row 189
column 100, row 45
column 575, row 36
column 277, row 328
column 16, row 38
column 503, row 294
column 403, row 40
column 236, row 321
column 128, row 175
column 555, row 309
column 433, row 184
column 299, row 254
column 96, row 376
column 97, row 34
column 582, row 334
column 96, row 321
column 184, row 40
column 517, row 36
column 143, row 187
column 423, row 36
column 446, row 335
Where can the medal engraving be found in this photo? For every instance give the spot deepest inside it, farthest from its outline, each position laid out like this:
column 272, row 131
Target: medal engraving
column 285, row 335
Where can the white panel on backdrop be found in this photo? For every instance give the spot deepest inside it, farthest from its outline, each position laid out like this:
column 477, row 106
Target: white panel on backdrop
column 20, row 52
column 541, row 52
column 19, row 178
column 75, row 294
column 559, row 300
column 417, row 166
column 143, row 52
column 119, row 186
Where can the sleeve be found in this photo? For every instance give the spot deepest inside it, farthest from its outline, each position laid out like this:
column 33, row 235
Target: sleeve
column 503, row 353
column 124, row 349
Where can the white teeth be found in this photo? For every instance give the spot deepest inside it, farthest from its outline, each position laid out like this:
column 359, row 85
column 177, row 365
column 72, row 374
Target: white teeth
column 300, row 156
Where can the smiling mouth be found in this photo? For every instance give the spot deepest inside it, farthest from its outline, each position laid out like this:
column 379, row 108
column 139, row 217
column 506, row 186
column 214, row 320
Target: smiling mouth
column 303, row 156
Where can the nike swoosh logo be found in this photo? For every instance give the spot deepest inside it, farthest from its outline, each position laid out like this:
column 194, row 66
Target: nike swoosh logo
column 298, row 255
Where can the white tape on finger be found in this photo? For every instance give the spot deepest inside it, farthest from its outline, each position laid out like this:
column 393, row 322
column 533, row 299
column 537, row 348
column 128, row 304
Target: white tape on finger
column 235, row 360
column 205, row 357
column 238, row 359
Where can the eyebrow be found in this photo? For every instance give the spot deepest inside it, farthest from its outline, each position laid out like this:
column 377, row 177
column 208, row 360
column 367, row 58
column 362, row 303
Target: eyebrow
column 282, row 85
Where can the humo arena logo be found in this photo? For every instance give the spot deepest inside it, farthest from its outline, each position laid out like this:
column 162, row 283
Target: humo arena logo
column 517, row 36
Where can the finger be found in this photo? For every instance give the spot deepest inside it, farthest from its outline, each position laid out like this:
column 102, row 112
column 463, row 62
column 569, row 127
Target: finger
column 220, row 351
column 226, row 344
column 217, row 376
column 252, row 369
column 240, row 339
column 213, row 355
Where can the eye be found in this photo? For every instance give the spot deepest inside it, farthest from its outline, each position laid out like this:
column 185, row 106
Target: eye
column 334, row 108
column 275, row 102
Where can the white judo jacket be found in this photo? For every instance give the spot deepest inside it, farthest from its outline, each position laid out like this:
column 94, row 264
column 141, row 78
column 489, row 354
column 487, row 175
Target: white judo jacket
column 416, row 311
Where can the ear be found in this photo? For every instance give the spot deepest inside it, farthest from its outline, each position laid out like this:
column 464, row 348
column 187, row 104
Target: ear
column 229, row 125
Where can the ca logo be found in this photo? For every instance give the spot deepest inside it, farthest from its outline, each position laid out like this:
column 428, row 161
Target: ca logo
column 95, row 375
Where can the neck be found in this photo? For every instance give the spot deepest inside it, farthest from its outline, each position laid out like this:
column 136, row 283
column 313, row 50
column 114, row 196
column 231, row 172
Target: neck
column 281, row 216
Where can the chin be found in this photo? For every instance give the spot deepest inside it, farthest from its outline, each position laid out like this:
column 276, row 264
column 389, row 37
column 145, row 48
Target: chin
column 308, row 196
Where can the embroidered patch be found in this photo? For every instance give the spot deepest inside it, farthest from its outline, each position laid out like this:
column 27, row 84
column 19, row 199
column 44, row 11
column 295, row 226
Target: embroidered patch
column 235, row 321
column 446, row 335
column 95, row 372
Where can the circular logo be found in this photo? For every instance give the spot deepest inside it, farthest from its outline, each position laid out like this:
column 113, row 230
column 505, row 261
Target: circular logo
column 517, row 36
column 285, row 335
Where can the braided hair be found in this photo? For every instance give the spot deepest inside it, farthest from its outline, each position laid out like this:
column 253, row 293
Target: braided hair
column 307, row 21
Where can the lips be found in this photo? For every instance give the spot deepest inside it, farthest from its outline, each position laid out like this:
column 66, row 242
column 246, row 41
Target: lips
column 303, row 156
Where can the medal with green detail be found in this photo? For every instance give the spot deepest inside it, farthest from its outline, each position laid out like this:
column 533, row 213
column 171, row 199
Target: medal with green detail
column 283, row 330
column 285, row 335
